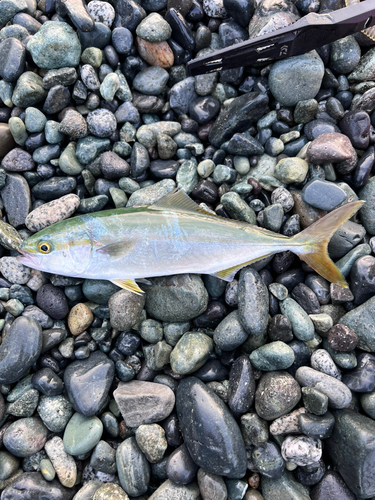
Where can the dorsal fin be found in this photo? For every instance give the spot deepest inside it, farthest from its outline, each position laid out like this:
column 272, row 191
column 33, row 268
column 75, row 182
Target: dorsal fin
column 178, row 200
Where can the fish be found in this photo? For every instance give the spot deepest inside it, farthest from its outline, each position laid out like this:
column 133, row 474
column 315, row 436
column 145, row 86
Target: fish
column 172, row 236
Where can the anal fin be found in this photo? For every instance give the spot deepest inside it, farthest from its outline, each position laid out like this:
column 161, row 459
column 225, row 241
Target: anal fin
column 130, row 285
column 229, row 274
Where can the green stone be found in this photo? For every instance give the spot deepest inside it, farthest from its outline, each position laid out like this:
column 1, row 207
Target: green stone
column 176, row 298
column 99, row 291
column 230, row 334
column 21, row 387
column 28, row 90
column 273, row 356
column 90, row 147
column 14, row 307
column 237, row 208
column 154, row 28
column 109, row 87
column 124, row 371
column 6, row 93
column 157, row 355
column 82, row 434
column 278, row 290
column 128, row 185
column 8, row 465
column 119, row 197
column 367, row 403
column 362, row 321
column 52, row 132
column 291, row 170
column 367, row 212
column 122, row 148
column 18, row 130
column 187, row 177
column 92, row 56
column 191, row 352
column 47, row 470
column 305, row 110
column 52, row 35
column 174, row 331
column 303, row 327
column 314, row 401
column 352, row 450
column 35, row 120
column 68, row 161
column 124, row 93
column 345, row 360
column 284, row 488
column 151, row 331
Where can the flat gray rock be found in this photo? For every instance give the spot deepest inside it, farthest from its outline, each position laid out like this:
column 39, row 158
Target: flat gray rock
column 143, row 402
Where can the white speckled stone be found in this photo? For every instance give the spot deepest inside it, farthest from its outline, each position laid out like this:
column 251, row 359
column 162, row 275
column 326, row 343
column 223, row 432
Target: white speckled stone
column 301, row 450
column 321, row 360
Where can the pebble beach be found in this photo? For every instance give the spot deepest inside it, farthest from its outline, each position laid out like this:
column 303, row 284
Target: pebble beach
column 262, row 388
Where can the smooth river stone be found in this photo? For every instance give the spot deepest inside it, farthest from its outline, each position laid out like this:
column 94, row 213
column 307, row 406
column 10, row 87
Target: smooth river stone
column 32, row 486
column 20, row 349
column 253, row 302
column 352, row 450
column 88, row 382
column 133, row 468
column 82, row 434
column 25, row 436
column 330, row 147
column 284, row 488
column 143, row 402
column 339, row 396
column 211, row 434
column 169, row 490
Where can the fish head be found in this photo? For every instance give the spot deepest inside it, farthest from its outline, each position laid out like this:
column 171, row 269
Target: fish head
column 64, row 248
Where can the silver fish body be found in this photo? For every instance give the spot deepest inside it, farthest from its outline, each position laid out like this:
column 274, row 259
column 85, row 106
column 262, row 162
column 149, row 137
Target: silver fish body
column 173, row 236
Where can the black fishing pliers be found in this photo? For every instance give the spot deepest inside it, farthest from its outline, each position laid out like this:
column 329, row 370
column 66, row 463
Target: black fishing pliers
column 310, row 32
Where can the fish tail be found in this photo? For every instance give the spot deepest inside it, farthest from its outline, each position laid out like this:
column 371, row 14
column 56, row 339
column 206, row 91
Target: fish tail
column 313, row 242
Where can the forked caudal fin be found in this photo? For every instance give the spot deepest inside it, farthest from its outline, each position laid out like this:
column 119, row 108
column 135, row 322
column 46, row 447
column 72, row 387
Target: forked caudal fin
column 313, row 242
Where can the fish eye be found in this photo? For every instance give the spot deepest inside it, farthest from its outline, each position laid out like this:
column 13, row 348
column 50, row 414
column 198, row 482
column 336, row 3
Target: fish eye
column 44, row 247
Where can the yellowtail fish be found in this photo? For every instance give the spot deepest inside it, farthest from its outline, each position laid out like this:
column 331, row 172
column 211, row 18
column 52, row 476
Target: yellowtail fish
column 172, row 236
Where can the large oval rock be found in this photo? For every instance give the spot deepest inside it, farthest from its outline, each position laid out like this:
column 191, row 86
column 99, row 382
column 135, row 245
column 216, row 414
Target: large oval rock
column 87, row 382
column 277, row 394
column 32, row 486
column 339, row 395
column 367, row 212
column 296, row 78
column 253, row 302
column 143, row 402
column 43, row 46
column 20, row 349
column 82, row 434
column 133, row 468
column 176, row 298
column 25, row 436
column 211, row 434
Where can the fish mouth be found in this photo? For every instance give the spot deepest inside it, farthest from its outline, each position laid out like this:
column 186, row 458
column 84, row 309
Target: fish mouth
column 28, row 260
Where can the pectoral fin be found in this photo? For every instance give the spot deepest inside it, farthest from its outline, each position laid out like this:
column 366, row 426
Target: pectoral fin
column 117, row 250
column 130, row 285
column 229, row 274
